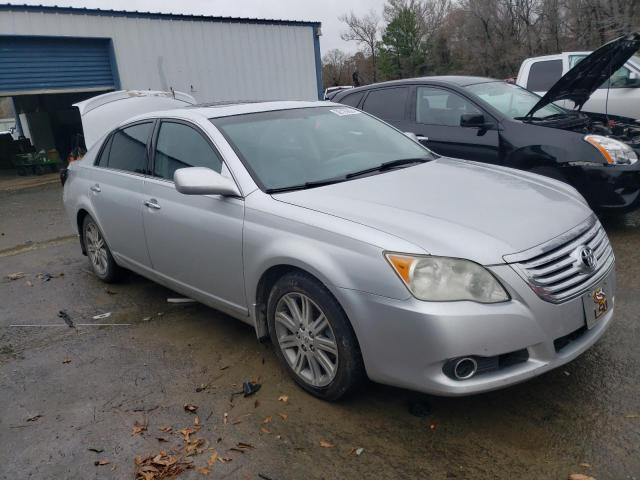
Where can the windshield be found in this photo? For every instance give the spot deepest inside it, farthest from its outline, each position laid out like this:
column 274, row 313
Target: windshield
column 287, row 148
column 512, row 100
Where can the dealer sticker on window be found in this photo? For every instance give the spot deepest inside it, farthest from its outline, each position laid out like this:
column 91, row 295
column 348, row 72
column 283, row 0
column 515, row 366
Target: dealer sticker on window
column 341, row 112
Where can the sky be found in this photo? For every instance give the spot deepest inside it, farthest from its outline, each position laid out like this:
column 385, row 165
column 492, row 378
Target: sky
column 325, row 11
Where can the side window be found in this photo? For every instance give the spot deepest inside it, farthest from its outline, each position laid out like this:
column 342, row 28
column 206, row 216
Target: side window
column 436, row 106
column 620, row 78
column 387, row 103
column 352, row 99
column 542, row 75
column 129, row 148
column 103, row 159
column 181, row 146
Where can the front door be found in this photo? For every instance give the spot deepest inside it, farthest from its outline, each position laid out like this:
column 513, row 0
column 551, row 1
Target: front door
column 116, row 192
column 194, row 240
column 437, row 125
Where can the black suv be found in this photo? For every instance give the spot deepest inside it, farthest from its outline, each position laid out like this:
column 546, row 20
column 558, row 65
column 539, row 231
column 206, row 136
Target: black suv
column 493, row 121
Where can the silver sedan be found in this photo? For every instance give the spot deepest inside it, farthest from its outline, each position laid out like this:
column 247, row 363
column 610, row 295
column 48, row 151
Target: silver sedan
column 359, row 252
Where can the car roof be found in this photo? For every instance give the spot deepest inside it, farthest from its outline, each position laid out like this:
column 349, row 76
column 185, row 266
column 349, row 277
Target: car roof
column 226, row 109
column 457, row 80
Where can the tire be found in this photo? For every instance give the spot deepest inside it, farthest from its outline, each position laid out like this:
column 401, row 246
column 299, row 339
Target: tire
column 102, row 262
column 309, row 348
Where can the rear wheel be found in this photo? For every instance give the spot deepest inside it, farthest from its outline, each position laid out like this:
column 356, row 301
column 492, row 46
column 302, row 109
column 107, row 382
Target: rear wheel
column 313, row 337
column 102, row 262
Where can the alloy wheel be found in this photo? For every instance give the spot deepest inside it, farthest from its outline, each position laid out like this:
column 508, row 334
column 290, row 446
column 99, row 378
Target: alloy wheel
column 306, row 339
column 96, row 249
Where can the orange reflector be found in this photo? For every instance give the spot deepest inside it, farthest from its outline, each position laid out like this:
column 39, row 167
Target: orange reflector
column 601, row 149
column 402, row 265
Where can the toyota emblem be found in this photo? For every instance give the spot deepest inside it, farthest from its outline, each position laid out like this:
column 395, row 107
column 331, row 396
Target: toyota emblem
column 588, row 259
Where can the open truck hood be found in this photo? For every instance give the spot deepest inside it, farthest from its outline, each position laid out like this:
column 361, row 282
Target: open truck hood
column 103, row 113
column 590, row 73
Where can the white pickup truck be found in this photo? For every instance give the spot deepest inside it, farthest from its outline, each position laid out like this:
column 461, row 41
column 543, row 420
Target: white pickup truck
column 539, row 74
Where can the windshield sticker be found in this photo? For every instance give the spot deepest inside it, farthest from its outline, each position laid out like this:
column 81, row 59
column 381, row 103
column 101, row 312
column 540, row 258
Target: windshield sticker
column 341, row 112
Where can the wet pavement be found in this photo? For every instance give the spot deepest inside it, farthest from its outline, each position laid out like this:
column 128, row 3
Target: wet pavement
column 64, row 391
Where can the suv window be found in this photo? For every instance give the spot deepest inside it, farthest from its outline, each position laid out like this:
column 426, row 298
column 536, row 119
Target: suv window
column 181, row 146
column 353, row 99
column 128, row 149
column 387, row 103
column 436, row 106
column 543, row 74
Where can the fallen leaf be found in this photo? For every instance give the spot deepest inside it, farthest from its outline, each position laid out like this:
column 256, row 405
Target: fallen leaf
column 101, row 462
column 15, row 276
column 244, row 446
column 265, row 430
column 160, row 466
column 162, row 439
column 632, row 415
column 256, row 404
column 202, row 387
column 580, row 476
column 196, row 421
column 66, row 360
column 226, row 418
column 283, row 416
column 213, row 458
column 432, row 426
column 224, row 368
column 326, row 444
column 34, row 418
column 186, row 432
column 96, row 450
column 283, row 398
column 188, row 407
column 203, row 470
column 28, row 283
column 357, row 451
column 166, row 429
column 138, row 428
column 267, row 419
column 585, row 465
column 278, row 437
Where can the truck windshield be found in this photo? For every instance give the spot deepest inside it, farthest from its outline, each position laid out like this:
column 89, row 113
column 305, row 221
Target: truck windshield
column 512, row 100
column 310, row 147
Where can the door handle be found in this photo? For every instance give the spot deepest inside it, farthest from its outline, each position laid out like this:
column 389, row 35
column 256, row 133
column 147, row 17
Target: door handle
column 152, row 203
column 95, row 188
column 422, row 138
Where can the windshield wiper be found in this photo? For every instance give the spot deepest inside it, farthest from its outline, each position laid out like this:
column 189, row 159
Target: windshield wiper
column 388, row 166
column 329, row 181
column 303, row 186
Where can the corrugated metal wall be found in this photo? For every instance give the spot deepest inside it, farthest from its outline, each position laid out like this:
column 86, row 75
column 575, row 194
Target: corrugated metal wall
column 42, row 64
column 211, row 60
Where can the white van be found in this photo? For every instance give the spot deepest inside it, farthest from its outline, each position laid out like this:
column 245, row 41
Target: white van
column 539, row 74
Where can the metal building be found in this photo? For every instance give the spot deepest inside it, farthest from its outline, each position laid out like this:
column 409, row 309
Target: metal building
column 51, row 57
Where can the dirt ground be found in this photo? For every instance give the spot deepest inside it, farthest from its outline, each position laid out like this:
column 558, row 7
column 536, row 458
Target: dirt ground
column 65, row 391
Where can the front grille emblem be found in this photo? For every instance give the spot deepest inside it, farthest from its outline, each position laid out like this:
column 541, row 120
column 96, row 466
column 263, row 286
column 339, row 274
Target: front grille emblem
column 586, row 260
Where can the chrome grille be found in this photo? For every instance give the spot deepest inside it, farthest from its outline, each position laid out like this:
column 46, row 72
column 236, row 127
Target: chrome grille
column 554, row 270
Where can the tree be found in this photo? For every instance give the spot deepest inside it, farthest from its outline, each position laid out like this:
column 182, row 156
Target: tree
column 335, row 64
column 364, row 31
column 403, row 47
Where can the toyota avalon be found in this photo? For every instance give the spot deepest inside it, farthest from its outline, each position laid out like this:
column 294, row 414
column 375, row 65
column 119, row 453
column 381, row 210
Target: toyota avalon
column 358, row 251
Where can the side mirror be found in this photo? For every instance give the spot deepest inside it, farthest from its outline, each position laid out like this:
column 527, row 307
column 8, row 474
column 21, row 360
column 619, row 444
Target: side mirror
column 473, row 120
column 203, row 181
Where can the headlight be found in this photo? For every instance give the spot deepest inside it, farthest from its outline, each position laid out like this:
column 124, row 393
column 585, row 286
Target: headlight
column 442, row 279
column 614, row 152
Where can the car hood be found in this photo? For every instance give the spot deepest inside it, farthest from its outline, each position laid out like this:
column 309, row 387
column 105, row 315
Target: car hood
column 454, row 207
column 590, row 73
column 103, row 113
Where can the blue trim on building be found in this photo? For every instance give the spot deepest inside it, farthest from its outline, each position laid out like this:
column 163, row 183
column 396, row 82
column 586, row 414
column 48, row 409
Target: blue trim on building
column 152, row 15
column 316, row 49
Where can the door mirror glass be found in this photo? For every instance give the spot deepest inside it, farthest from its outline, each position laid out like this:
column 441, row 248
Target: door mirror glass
column 203, row 181
column 472, row 120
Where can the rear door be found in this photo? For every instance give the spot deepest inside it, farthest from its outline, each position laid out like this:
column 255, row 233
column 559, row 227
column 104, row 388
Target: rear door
column 194, row 240
column 116, row 191
column 390, row 104
column 436, row 122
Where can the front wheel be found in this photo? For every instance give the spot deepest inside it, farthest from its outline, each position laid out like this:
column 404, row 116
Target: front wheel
column 102, row 262
column 313, row 337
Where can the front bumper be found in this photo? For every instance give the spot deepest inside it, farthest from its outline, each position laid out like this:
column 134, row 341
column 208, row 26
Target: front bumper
column 607, row 188
column 405, row 343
